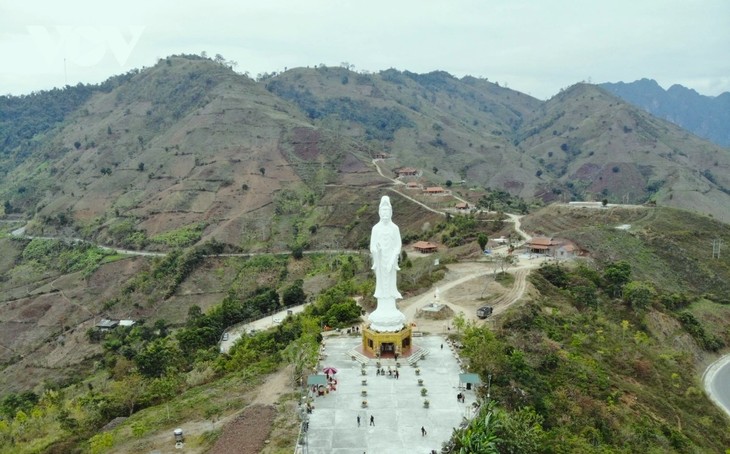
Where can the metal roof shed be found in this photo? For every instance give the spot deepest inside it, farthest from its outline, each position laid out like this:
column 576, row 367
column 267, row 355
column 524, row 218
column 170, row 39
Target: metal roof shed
column 316, row 380
column 469, row 380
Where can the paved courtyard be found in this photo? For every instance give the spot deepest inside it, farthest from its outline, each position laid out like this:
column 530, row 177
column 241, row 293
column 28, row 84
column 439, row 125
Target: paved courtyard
column 396, row 405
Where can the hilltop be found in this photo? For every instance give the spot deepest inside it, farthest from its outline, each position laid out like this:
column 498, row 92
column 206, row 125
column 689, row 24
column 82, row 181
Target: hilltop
column 189, row 151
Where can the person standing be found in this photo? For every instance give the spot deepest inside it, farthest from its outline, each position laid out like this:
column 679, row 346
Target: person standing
column 423, row 431
column 372, row 420
column 358, row 420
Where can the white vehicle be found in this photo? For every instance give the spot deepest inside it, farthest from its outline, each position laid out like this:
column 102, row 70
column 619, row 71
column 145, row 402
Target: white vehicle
column 225, row 336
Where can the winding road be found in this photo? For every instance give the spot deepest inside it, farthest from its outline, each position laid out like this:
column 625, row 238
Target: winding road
column 716, row 381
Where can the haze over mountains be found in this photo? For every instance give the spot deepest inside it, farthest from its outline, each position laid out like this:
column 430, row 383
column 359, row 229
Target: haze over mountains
column 705, row 116
column 190, row 141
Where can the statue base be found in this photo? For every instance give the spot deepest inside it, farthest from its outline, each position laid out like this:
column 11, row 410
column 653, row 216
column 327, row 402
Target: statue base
column 387, row 317
column 389, row 344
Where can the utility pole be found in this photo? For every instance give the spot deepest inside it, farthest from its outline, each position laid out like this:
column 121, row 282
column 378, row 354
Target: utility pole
column 716, row 244
column 489, row 388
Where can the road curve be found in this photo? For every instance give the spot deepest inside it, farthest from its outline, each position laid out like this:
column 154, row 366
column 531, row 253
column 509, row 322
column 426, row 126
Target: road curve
column 716, row 381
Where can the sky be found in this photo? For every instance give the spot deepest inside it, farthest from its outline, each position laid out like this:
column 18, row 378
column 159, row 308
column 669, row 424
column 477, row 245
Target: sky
column 536, row 47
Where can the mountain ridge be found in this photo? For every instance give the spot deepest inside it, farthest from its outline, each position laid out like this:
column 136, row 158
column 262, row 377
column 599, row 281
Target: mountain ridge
column 705, row 116
column 188, row 142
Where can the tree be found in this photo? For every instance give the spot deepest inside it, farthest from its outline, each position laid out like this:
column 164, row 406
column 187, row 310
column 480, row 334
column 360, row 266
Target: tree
column 157, row 357
column 77, row 144
column 584, row 294
column 639, row 295
column 449, row 183
column 520, row 432
column 604, row 202
column 482, row 239
column 459, row 322
column 262, row 171
column 140, row 167
column 538, row 173
column 481, row 434
column 128, row 391
column 504, row 261
column 615, row 276
column 294, row 294
column 435, row 170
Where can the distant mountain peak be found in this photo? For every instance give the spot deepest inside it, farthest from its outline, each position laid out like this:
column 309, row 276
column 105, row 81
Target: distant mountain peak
column 705, row 116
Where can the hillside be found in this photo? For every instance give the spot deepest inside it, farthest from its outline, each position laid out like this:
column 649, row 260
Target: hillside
column 582, row 366
column 189, row 151
column 185, row 145
column 705, row 116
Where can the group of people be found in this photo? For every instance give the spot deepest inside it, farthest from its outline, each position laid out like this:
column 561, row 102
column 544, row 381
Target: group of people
column 391, row 373
column 461, row 397
column 372, row 423
column 372, row 420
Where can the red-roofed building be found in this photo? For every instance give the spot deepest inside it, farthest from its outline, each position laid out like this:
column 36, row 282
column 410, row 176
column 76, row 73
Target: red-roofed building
column 434, row 190
column 541, row 245
column 424, row 247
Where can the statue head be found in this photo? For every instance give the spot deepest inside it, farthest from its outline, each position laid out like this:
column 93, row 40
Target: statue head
column 385, row 210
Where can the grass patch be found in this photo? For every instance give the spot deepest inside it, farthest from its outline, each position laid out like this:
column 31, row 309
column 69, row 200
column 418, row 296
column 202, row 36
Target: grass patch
column 182, row 237
column 504, row 278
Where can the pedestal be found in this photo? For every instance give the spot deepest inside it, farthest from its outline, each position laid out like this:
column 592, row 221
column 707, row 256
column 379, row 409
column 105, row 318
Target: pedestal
column 387, row 344
column 386, row 317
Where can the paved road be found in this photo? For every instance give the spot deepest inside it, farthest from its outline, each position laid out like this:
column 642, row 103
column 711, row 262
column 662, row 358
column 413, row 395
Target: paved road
column 717, row 383
column 235, row 332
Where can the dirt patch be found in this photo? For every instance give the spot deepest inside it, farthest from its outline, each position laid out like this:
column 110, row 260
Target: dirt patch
column 306, row 143
column 352, row 164
column 247, row 433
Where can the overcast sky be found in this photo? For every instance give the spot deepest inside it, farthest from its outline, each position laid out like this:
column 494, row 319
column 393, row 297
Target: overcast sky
column 533, row 46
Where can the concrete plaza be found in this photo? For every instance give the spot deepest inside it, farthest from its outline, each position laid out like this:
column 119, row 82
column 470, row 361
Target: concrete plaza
column 396, row 404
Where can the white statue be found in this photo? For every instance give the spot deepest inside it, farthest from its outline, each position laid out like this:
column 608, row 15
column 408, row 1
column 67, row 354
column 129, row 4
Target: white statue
column 385, row 247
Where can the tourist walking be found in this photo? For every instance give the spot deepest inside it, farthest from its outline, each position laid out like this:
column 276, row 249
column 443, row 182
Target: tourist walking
column 358, row 421
column 423, row 431
column 372, row 420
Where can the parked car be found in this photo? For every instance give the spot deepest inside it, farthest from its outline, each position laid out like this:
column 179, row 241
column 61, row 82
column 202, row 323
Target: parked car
column 484, row 311
column 225, row 336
